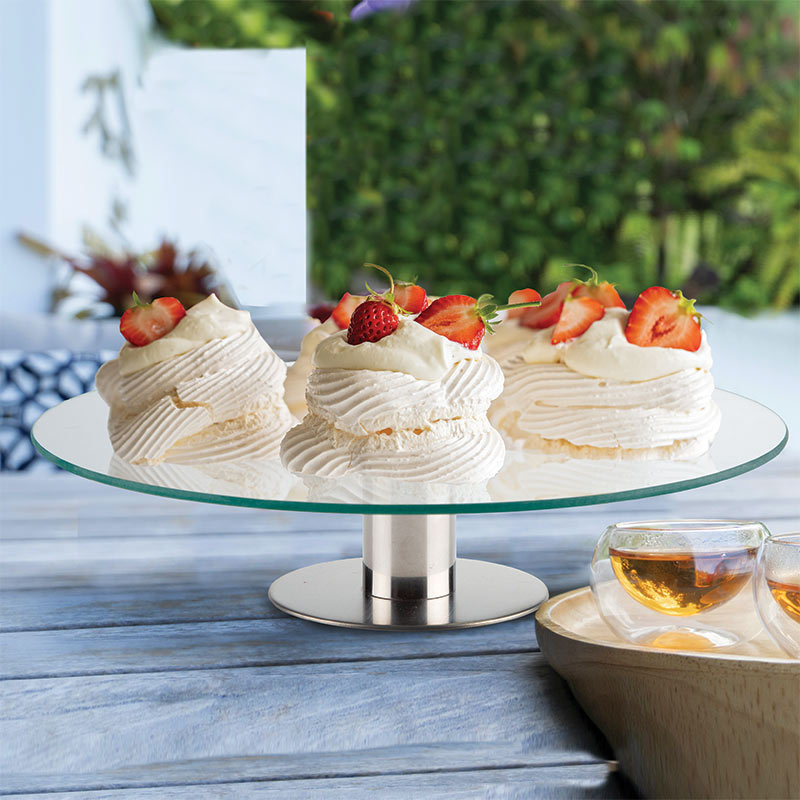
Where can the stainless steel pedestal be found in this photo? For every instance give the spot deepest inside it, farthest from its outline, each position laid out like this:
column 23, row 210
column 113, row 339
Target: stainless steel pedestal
column 409, row 578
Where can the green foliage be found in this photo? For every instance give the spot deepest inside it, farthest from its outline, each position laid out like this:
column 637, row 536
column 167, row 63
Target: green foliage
column 482, row 145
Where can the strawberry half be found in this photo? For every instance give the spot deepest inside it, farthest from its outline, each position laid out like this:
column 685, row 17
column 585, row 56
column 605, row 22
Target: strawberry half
column 463, row 319
column 344, row 310
column 521, row 296
column 602, row 291
column 146, row 322
column 661, row 318
column 455, row 317
column 549, row 311
column 371, row 321
column 410, row 297
column 577, row 315
column 405, row 298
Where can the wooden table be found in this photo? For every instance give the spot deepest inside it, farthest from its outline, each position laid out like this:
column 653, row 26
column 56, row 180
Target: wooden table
column 141, row 657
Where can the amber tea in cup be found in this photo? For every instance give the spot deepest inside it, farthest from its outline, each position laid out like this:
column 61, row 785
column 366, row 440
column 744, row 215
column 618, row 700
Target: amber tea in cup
column 777, row 590
column 678, row 584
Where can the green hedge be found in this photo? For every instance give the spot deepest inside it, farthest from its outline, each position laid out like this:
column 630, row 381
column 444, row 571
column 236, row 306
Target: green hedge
column 481, row 145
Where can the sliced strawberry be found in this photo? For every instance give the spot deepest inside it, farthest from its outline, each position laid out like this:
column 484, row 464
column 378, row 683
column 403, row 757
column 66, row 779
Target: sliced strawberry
column 521, row 296
column 371, row 321
column 577, row 315
column 146, row 322
column 661, row 318
column 344, row 310
column 456, row 318
column 410, row 297
column 549, row 311
column 602, row 291
column 462, row 318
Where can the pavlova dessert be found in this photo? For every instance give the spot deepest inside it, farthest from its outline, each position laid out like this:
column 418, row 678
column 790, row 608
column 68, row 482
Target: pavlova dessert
column 410, row 298
column 193, row 386
column 589, row 379
column 402, row 397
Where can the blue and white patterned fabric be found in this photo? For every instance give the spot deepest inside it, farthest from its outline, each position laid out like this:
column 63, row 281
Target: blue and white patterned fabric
column 30, row 383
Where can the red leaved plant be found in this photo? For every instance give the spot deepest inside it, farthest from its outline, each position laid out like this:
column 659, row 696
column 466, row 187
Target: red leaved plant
column 163, row 272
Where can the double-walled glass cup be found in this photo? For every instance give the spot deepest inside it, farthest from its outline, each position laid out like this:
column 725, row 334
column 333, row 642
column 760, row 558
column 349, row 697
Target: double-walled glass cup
column 681, row 584
column 777, row 590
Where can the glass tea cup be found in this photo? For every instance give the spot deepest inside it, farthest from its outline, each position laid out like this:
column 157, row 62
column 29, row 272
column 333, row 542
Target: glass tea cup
column 680, row 584
column 777, row 590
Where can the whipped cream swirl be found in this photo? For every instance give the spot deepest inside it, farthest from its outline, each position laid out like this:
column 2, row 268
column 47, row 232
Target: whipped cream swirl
column 599, row 396
column 602, row 351
column 553, row 408
column 209, row 319
column 412, row 349
column 413, row 408
column 219, row 400
column 297, row 374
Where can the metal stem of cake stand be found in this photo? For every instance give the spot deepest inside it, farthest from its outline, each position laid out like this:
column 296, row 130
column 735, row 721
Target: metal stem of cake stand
column 409, row 578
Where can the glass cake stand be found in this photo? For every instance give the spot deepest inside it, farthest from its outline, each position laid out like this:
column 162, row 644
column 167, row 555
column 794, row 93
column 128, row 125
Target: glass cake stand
column 409, row 576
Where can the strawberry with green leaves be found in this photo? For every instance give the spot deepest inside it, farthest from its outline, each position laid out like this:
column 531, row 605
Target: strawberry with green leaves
column 549, row 312
column 521, row 296
column 464, row 319
column 602, row 291
column 146, row 322
column 377, row 315
column 403, row 297
column 662, row 318
column 410, row 297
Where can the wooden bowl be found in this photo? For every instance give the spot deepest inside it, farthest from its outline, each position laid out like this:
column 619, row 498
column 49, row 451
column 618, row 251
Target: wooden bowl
column 723, row 724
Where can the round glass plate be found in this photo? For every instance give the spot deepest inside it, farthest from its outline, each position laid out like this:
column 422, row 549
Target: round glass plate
column 73, row 435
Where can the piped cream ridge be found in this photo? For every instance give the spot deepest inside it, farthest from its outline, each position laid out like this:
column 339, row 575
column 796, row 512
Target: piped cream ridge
column 385, row 420
column 599, row 396
column 297, row 374
column 220, row 400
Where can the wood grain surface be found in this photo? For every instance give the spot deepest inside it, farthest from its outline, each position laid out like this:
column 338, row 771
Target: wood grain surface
column 140, row 656
column 723, row 724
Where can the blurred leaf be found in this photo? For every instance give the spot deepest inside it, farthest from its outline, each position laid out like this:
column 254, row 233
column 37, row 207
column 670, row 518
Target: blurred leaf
column 480, row 143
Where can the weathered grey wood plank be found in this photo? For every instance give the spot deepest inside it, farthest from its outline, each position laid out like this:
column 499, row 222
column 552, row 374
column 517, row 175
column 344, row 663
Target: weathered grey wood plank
column 216, row 645
column 77, row 557
column 531, row 783
column 75, row 595
column 103, row 561
column 132, row 578
column 289, row 722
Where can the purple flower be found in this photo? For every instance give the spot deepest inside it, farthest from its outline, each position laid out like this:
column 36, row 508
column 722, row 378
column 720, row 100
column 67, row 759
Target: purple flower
column 368, row 7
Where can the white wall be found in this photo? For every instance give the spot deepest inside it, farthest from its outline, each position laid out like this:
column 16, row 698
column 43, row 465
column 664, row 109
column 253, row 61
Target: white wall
column 89, row 37
column 218, row 137
column 221, row 138
column 24, row 124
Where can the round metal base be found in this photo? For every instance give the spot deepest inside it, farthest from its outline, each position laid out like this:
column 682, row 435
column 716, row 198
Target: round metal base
column 333, row 593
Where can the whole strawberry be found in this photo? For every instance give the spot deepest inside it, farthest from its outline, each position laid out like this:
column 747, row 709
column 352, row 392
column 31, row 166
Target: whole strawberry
column 371, row 321
column 146, row 322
